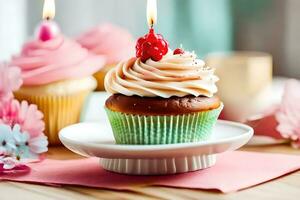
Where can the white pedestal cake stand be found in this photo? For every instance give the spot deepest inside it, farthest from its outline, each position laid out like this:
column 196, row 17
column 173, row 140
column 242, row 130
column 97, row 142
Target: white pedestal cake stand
column 96, row 140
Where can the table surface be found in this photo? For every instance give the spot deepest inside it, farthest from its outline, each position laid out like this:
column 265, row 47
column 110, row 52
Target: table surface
column 286, row 187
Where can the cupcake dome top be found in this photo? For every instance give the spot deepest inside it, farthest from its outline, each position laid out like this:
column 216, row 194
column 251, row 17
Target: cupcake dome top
column 112, row 41
column 60, row 58
column 174, row 75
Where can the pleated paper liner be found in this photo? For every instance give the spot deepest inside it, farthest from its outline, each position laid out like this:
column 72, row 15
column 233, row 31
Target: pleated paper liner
column 59, row 110
column 143, row 129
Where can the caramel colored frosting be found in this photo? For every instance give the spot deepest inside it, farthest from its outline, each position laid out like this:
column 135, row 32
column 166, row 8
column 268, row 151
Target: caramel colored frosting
column 174, row 75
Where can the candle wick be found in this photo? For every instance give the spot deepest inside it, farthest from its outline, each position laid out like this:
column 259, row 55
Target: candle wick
column 152, row 23
column 47, row 18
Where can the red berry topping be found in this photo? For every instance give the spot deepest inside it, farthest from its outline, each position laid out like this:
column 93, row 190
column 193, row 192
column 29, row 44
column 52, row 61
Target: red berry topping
column 178, row 51
column 151, row 46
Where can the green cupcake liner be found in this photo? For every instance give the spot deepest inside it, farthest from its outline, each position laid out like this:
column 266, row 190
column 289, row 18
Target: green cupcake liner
column 165, row 129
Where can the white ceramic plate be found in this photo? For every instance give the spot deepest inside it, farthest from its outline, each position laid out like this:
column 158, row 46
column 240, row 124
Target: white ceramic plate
column 96, row 139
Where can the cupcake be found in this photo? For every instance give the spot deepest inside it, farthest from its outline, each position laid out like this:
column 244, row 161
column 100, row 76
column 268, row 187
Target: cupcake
column 113, row 42
column 57, row 77
column 160, row 96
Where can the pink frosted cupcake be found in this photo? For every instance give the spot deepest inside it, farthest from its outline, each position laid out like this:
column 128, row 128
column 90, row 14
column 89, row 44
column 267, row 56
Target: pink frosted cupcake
column 57, row 76
column 111, row 41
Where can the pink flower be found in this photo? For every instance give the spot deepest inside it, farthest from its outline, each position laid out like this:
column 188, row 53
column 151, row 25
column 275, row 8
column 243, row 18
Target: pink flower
column 30, row 119
column 8, row 163
column 27, row 116
column 8, row 112
column 38, row 144
column 10, row 80
column 288, row 115
column 26, row 146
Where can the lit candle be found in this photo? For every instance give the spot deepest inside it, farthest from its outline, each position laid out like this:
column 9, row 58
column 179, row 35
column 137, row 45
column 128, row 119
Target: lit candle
column 47, row 29
column 151, row 46
column 151, row 13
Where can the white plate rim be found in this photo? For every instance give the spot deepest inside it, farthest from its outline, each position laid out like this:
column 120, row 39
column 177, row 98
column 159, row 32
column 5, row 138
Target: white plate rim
column 119, row 147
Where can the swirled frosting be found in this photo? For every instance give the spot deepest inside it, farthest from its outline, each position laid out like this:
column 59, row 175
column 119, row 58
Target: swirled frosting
column 60, row 58
column 175, row 75
column 114, row 42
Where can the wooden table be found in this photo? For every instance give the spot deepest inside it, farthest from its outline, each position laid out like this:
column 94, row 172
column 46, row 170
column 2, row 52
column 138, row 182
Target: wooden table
column 287, row 187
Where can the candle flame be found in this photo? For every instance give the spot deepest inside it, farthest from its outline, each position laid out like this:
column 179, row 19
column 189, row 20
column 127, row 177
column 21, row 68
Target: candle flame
column 49, row 9
column 151, row 12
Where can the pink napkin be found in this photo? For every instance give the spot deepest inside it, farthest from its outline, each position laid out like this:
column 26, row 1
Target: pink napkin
column 233, row 171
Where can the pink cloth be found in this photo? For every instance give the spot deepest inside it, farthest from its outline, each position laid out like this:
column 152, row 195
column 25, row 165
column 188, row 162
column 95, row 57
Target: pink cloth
column 233, row 171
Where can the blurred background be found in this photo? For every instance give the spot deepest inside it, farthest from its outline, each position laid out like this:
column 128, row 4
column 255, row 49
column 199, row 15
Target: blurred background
column 202, row 25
